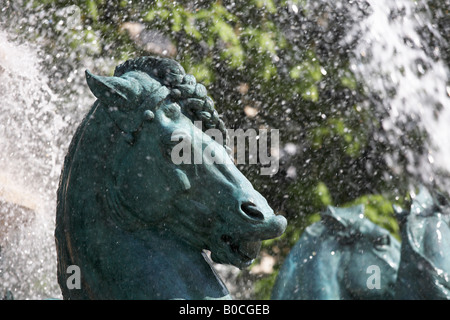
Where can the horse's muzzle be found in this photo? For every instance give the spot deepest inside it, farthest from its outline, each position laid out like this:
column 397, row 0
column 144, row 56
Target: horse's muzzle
column 267, row 224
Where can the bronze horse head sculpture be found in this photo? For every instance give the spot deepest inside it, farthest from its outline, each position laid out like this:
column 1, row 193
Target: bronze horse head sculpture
column 136, row 223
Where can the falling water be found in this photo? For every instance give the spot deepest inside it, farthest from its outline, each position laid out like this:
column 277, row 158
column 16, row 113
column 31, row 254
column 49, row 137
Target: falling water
column 30, row 164
column 395, row 61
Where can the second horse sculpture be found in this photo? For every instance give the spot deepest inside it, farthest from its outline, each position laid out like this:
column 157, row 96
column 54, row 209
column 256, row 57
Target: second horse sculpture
column 335, row 258
column 134, row 222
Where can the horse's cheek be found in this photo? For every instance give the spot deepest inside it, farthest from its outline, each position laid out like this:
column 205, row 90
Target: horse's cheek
column 137, row 177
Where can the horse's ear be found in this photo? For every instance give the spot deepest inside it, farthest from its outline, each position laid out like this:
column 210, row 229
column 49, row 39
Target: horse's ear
column 120, row 96
column 112, row 90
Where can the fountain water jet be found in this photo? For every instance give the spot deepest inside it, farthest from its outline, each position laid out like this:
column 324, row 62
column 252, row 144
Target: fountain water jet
column 30, row 166
column 410, row 79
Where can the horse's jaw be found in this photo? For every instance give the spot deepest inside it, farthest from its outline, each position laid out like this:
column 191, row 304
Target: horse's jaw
column 241, row 247
column 240, row 254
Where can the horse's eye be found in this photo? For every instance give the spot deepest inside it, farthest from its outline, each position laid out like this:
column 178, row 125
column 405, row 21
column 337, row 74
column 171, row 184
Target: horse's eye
column 381, row 242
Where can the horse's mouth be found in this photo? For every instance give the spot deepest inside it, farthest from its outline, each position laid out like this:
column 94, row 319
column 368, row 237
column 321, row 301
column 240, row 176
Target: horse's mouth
column 247, row 251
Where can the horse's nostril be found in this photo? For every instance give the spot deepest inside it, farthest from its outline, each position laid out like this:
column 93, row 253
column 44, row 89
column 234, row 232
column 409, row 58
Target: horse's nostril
column 251, row 210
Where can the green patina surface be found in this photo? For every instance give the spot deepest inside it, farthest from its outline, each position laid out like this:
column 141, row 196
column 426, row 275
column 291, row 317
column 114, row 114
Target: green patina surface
column 339, row 256
column 331, row 259
column 133, row 221
column 424, row 271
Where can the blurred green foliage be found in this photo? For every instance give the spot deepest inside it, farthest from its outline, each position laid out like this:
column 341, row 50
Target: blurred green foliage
column 276, row 59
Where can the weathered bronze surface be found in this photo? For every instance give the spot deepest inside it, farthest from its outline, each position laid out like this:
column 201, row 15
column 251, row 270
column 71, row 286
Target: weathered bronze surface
column 424, row 271
column 337, row 257
column 135, row 223
column 334, row 259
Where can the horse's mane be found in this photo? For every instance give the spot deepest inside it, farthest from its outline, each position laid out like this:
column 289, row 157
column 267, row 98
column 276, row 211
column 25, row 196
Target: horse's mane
column 157, row 67
column 199, row 106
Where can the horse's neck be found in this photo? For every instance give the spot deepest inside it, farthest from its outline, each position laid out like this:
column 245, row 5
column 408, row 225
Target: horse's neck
column 158, row 265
